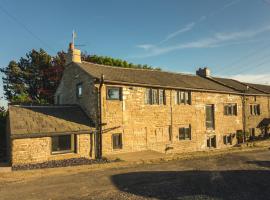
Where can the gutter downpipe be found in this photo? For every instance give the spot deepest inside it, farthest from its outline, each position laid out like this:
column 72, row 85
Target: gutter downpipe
column 244, row 116
column 100, row 116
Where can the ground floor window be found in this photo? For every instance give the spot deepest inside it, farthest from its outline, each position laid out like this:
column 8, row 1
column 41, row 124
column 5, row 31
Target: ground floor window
column 211, row 142
column 185, row 133
column 252, row 133
column 227, row 139
column 117, row 141
column 63, row 144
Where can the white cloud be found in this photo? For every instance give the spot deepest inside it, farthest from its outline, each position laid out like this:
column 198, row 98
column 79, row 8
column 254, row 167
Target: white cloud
column 188, row 27
column 218, row 39
column 253, row 78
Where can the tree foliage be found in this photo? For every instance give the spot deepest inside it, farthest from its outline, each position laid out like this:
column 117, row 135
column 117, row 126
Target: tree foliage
column 35, row 77
column 29, row 79
column 105, row 60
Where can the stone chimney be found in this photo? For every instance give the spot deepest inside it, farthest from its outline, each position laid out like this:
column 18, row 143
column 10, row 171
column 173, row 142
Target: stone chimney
column 73, row 55
column 203, row 72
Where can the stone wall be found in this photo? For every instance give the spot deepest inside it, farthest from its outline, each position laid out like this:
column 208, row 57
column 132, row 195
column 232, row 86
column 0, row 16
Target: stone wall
column 252, row 121
column 37, row 150
column 148, row 126
column 67, row 90
column 145, row 127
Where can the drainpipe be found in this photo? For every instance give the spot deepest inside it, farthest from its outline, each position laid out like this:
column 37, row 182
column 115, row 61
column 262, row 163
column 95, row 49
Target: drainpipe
column 244, row 115
column 100, row 117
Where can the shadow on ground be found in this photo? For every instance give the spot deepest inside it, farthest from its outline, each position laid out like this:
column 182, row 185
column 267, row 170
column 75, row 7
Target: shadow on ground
column 242, row 184
column 265, row 164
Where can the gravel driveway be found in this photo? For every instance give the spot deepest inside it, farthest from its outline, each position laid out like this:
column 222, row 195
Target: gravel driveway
column 243, row 175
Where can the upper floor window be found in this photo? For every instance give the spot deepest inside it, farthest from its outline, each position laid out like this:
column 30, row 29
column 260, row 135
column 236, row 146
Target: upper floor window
column 255, row 109
column 210, row 116
column 114, row 93
column 230, row 109
column 79, row 90
column 155, row 96
column 185, row 133
column 183, row 97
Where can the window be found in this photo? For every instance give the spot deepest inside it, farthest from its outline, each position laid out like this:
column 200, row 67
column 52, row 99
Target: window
column 183, row 97
column 210, row 119
column 63, row 144
column 185, row 133
column 155, row 96
column 227, row 139
column 252, row 132
column 58, row 99
column 114, row 93
column 211, row 142
column 117, row 141
column 255, row 109
column 79, row 90
column 230, row 109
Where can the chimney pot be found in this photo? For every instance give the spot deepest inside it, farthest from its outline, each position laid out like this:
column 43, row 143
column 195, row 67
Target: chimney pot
column 203, row 72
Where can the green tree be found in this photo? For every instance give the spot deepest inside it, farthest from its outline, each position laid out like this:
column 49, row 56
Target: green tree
column 30, row 79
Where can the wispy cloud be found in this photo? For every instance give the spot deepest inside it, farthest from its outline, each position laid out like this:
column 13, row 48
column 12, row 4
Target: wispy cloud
column 253, row 78
column 157, row 50
column 218, row 39
column 186, row 28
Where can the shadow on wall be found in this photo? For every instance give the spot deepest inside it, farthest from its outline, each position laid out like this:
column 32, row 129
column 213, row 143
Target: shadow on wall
column 242, row 184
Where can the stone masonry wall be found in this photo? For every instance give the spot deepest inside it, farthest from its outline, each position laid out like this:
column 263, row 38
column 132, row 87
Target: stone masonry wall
column 147, row 126
column 67, row 90
column 252, row 121
column 37, row 150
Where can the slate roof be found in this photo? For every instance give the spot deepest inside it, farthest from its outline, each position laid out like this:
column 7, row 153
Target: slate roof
column 265, row 88
column 152, row 78
column 237, row 85
column 42, row 120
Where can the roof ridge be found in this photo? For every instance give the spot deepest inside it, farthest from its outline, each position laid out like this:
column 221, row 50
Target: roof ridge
column 140, row 69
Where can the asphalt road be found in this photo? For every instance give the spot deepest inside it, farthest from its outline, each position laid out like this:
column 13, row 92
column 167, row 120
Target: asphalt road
column 232, row 176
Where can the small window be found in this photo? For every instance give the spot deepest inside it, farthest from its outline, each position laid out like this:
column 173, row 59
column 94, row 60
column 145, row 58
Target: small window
column 183, row 97
column 79, row 90
column 63, row 144
column 227, row 139
column 114, row 93
column 230, row 109
column 255, row 109
column 211, row 142
column 185, row 133
column 58, row 99
column 117, row 141
column 210, row 117
column 155, row 96
column 252, row 133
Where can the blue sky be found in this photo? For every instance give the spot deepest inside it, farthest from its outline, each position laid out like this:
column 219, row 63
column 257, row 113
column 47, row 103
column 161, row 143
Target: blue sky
column 229, row 36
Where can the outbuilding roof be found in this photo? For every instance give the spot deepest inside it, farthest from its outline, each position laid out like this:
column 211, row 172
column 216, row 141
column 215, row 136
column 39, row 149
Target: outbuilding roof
column 45, row 120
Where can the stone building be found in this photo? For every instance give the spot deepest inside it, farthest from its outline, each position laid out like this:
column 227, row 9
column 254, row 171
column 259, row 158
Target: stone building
column 126, row 110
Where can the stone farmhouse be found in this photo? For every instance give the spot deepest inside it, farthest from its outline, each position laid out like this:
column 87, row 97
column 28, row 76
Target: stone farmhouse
column 103, row 110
